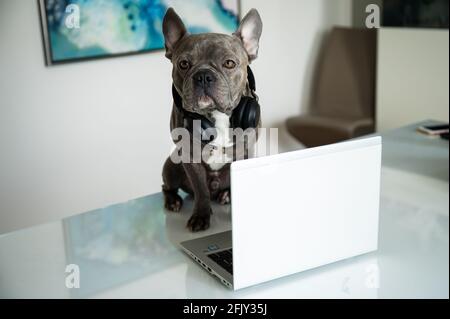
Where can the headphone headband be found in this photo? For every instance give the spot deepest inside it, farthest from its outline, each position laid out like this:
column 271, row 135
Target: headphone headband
column 251, row 79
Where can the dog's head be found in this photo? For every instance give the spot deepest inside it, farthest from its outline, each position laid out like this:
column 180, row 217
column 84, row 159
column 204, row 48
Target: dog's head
column 210, row 70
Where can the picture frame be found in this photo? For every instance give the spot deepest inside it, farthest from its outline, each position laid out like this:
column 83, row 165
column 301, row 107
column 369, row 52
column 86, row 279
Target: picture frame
column 76, row 30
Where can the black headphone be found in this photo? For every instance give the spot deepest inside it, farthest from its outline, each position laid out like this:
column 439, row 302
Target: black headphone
column 245, row 115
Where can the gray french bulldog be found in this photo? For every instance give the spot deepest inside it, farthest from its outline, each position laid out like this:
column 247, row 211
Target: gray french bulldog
column 210, row 76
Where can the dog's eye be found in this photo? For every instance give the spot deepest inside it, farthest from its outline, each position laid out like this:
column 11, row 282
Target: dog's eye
column 184, row 65
column 229, row 64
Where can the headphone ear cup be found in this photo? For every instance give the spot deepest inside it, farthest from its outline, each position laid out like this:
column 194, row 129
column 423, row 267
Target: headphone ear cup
column 208, row 131
column 238, row 113
column 200, row 130
column 246, row 114
column 253, row 114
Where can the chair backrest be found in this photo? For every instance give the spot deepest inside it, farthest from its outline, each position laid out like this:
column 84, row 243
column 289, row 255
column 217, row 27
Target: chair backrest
column 345, row 78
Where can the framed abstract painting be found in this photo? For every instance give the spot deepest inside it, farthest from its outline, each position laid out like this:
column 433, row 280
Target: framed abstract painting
column 75, row 30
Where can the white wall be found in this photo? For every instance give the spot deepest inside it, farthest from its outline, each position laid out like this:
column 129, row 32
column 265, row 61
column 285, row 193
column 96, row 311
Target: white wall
column 412, row 81
column 85, row 135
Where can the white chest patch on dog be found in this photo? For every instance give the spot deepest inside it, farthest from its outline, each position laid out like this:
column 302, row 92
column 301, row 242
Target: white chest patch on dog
column 218, row 157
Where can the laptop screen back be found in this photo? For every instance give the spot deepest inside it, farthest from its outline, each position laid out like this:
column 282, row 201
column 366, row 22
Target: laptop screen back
column 300, row 210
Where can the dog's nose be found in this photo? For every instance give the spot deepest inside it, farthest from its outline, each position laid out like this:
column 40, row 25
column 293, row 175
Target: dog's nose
column 204, row 78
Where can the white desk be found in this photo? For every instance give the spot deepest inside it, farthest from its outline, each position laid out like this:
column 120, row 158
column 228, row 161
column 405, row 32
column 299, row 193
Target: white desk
column 129, row 250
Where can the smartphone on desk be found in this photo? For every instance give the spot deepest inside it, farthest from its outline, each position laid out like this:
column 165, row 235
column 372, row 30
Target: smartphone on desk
column 434, row 130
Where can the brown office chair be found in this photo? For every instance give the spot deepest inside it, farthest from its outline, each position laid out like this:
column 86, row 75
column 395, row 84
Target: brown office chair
column 343, row 97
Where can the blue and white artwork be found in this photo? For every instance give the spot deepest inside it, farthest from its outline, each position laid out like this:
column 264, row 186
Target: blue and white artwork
column 86, row 29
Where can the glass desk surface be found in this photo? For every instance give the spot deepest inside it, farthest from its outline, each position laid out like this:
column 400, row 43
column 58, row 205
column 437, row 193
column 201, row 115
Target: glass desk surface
column 130, row 250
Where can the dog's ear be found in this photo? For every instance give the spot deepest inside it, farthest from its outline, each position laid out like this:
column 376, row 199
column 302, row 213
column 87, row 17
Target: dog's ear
column 249, row 32
column 173, row 30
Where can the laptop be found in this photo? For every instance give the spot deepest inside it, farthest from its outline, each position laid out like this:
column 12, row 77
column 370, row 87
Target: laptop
column 296, row 211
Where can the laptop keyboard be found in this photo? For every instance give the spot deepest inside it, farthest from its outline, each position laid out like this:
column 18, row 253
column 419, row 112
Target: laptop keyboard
column 224, row 259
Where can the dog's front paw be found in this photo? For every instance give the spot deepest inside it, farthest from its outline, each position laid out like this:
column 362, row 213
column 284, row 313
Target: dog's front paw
column 199, row 221
column 224, row 197
column 172, row 201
